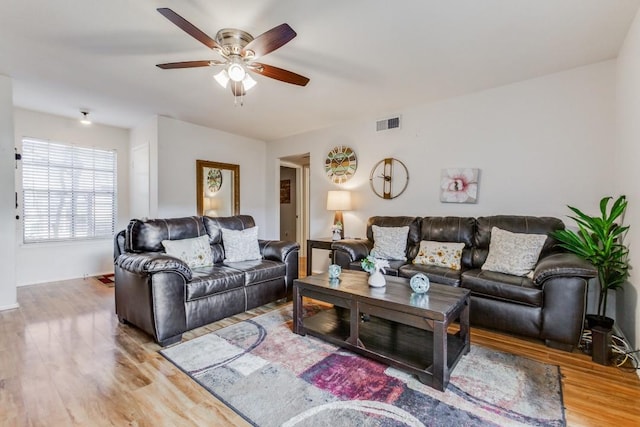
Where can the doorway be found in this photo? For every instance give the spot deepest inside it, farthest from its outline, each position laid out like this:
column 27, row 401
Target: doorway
column 294, row 200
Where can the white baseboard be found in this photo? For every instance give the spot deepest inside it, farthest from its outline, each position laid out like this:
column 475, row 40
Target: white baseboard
column 10, row 307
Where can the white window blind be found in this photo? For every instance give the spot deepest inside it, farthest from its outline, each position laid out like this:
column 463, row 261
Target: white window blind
column 69, row 192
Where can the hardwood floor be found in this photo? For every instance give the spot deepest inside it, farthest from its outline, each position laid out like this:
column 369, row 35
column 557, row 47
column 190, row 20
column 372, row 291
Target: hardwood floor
column 65, row 360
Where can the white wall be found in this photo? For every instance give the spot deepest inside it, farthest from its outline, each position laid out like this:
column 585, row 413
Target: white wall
column 66, row 260
column 7, row 198
column 540, row 144
column 628, row 173
column 180, row 144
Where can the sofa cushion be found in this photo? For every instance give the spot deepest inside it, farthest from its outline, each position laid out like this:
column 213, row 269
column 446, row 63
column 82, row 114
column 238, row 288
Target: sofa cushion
column 503, row 287
column 241, row 245
column 441, row 254
column 214, row 226
column 212, row 280
column 436, row 274
column 195, row 252
column 258, row 271
column 413, row 238
column 513, row 253
column 390, row 242
column 147, row 235
column 515, row 224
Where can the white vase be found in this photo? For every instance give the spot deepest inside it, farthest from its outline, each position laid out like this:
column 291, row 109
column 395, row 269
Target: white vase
column 376, row 279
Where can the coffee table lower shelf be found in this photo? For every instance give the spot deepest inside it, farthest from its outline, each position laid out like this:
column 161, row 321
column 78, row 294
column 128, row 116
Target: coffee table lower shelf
column 392, row 343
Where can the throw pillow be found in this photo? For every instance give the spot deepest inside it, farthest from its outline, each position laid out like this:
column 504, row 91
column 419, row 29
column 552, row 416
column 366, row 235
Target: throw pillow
column 194, row 252
column 441, row 254
column 390, row 242
column 513, row 253
column 241, row 245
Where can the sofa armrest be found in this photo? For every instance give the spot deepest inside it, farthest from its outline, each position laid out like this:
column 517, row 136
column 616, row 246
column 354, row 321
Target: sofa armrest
column 562, row 265
column 277, row 250
column 347, row 251
column 153, row 262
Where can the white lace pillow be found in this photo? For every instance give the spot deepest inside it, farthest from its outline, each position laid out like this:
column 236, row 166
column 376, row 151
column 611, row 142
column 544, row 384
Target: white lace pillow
column 441, row 254
column 194, row 252
column 241, row 245
column 513, row 253
column 390, row 242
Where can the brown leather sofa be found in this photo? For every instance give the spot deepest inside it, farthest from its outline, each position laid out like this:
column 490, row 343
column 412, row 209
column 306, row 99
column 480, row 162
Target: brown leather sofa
column 550, row 306
column 161, row 295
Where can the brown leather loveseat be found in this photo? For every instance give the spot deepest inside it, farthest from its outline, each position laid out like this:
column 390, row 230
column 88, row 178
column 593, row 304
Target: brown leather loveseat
column 163, row 296
column 548, row 305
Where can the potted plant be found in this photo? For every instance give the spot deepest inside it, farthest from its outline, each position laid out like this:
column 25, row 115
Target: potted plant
column 600, row 240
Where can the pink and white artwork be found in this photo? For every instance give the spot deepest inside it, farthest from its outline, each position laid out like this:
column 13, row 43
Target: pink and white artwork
column 459, row 185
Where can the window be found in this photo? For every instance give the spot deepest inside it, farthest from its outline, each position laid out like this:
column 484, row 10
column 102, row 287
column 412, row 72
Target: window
column 68, row 192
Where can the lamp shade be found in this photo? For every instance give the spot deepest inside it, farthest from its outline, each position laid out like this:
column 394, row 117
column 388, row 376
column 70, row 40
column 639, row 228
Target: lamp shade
column 339, row 200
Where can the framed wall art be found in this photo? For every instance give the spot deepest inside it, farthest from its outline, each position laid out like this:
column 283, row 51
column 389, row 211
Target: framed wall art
column 459, row 185
column 217, row 188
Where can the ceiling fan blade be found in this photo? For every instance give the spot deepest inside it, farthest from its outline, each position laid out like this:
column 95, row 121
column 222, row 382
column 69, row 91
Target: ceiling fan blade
column 269, row 41
column 279, row 74
column 189, row 28
column 185, row 64
column 236, row 88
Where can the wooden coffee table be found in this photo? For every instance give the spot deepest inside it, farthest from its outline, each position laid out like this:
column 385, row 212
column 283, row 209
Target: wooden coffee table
column 391, row 324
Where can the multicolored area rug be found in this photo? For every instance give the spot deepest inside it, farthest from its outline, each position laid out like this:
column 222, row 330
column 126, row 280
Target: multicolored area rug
column 273, row 377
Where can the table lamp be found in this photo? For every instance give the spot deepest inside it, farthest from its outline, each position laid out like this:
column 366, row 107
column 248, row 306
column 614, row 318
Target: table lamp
column 338, row 201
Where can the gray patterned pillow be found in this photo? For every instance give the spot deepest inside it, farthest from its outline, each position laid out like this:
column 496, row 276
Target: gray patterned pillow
column 390, row 242
column 513, row 253
column 194, row 252
column 241, row 245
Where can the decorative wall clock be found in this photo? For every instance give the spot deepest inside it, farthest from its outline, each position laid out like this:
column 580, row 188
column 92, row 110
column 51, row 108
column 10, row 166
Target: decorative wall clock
column 389, row 178
column 341, row 164
column 214, row 180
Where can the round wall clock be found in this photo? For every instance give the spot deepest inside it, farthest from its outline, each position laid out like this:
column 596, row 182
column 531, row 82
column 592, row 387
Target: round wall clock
column 341, row 164
column 389, row 178
column 214, row 180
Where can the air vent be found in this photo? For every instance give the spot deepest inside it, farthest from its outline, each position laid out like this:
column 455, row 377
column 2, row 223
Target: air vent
column 386, row 124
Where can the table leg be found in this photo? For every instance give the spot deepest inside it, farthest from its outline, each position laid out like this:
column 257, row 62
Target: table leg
column 309, row 261
column 354, row 322
column 464, row 326
column 298, row 326
column 440, row 367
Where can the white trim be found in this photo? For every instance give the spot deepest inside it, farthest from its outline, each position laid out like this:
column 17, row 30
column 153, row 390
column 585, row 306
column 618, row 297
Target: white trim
column 10, row 307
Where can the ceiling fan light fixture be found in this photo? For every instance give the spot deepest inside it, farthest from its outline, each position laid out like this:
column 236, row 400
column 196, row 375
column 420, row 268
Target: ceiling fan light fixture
column 236, row 72
column 248, row 82
column 222, row 78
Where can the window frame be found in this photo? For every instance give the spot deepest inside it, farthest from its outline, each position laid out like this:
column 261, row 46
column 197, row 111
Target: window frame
column 84, row 220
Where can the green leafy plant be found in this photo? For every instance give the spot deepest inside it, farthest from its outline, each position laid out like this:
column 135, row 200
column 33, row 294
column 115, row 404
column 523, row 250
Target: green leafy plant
column 599, row 240
column 370, row 264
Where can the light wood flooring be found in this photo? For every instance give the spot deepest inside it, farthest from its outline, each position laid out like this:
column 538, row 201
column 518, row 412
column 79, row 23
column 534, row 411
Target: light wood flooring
column 66, row 361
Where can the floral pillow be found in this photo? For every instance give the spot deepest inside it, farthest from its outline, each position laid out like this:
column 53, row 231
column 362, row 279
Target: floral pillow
column 513, row 253
column 241, row 245
column 390, row 242
column 194, row 252
column 441, row 254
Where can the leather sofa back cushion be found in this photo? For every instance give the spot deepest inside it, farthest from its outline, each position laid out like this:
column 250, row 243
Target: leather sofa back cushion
column 515, row 224
column 147, row 235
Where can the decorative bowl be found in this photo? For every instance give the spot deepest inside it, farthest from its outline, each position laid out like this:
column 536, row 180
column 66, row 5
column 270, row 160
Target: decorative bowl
column 419, row 283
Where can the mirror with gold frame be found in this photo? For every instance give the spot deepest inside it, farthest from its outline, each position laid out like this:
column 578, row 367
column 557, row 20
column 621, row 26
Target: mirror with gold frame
column 218, row 188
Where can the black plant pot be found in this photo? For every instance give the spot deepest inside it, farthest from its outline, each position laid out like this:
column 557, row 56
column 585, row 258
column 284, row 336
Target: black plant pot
column 596, row 320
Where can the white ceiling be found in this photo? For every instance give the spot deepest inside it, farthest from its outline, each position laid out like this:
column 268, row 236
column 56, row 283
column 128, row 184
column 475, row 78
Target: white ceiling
column 365, row 58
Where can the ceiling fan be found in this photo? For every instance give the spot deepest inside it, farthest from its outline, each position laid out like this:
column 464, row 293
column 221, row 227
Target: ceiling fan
column 239, row 50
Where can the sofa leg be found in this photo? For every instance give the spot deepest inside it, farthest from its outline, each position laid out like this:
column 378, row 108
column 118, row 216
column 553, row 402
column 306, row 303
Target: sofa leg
column 559, row 345
column 169, row 341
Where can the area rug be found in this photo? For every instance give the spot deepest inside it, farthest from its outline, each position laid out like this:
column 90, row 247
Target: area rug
column 273, row 377
column 106, row 279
